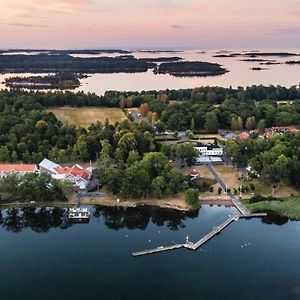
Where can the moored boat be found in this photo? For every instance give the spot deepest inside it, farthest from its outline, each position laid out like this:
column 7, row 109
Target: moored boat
column 79, row 214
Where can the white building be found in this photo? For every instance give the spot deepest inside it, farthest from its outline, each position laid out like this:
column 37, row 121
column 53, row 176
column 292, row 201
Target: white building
column 209, row 149
column 76, row 174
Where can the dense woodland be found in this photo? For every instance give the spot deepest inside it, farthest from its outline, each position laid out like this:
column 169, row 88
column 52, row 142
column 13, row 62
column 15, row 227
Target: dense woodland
column 275, row 160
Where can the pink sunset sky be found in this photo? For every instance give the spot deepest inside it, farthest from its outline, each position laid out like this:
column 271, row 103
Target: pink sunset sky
column 149, row 23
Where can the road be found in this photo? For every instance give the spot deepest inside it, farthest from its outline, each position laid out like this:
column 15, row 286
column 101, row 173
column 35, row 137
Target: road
column 237, row 203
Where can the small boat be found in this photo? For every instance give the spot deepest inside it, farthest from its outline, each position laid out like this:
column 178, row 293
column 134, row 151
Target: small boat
column 79, row 214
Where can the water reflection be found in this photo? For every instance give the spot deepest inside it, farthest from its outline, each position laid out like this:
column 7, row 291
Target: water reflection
column 274, row 218
column 38, row 219
column 44, row 218
column 133, row 218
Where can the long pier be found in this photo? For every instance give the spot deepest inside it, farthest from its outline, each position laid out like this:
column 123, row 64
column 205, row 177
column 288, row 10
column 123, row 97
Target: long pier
column 158, row 249
column 216, row 230
column 244, row 213
column 194, row 246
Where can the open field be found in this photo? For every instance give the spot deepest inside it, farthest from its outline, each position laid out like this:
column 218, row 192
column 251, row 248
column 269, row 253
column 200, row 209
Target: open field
column 85, row 116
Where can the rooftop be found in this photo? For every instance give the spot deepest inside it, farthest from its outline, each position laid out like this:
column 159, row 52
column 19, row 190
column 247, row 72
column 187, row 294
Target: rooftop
column 17, row 168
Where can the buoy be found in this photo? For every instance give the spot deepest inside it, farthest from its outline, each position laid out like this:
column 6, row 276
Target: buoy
column 149, row 241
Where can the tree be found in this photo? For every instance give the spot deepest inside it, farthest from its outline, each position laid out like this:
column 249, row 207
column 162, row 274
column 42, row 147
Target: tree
column 261, row 126
column 236, row 123
column 112, row 179
column 219, row 190
column 190, row 154
column 144, row 109
column 211, row 122
column 154, row 118
column 133, row 157
column 154, row 163
column 126, row 144
column 191, row 196
column 163, row 98
column 122, row 102
column 160, row 127
column 192, row 125
column 166, row 149
column 175, row 180
column 82, row 148
column 136, row 181
column 158, row 186
column 189, row 134
column 250, row 123
column 104, row 160
column 128, row 101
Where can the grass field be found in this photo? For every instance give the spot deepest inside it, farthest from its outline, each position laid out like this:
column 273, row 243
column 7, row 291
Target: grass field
column 289, row 207
column 85, row 116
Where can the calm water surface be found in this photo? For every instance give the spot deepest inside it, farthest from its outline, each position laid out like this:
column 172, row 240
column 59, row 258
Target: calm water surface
column 240, row 73
column 44, row 257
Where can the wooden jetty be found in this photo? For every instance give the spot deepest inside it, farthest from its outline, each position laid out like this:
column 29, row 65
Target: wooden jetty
column 158, row 249
column 216, row 230
column 194, row 246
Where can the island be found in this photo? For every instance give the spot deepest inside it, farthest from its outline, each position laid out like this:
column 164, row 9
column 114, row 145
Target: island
column 162, row 59
column 191, row 68
column 57, row 81
column 293, row 62
column 256, row 54
column 71, row 51
column 49, row 62
column 258, row 69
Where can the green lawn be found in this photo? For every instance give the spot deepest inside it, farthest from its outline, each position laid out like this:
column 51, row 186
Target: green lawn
column 289, row 207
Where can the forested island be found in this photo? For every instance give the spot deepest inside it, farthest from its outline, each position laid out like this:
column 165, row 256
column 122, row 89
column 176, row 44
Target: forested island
column 63, row 61
column 190, row 68
column 67, row 63
column 56, row 81
column 257, row 54
column 71, row 51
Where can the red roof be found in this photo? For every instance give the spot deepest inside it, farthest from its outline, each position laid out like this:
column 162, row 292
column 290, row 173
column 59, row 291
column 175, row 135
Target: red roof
column 17, row 168
column 75, row 171
column 244, row 135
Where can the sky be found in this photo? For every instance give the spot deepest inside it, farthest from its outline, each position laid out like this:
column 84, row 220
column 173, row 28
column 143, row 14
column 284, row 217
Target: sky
column 207, row 24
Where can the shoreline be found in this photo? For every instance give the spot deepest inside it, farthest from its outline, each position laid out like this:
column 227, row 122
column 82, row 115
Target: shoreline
column 168, row 203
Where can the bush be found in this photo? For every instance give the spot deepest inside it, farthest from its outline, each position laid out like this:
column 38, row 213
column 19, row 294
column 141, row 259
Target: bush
column 258, row 198
column 191, row 196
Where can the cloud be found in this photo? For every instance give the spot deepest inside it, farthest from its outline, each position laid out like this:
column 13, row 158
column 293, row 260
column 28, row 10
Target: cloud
column 177, row 27
column 24, row 25
column 59, row 6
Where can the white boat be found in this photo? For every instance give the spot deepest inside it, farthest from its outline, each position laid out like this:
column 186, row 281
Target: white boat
column 79, row 214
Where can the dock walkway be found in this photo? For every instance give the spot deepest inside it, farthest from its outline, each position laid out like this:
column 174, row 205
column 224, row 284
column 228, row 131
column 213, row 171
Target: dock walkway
column 244, row 213
column 158, row 249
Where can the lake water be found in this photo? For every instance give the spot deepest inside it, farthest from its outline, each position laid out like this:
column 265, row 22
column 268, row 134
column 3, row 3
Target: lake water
column 240, row 73
column 43, row 257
